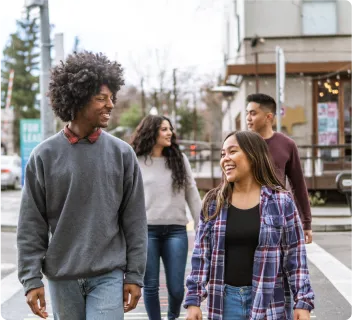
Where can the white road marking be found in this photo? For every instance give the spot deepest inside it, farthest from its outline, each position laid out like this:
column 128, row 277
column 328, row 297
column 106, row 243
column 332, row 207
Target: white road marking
column 335, row 271
column 7, row 266
column 9, row 286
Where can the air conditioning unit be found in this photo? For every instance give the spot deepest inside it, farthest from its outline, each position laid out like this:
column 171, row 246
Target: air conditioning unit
column 33, row 3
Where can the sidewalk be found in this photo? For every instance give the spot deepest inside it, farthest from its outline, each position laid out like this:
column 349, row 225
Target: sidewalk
column 324, row 219
column 328, row 219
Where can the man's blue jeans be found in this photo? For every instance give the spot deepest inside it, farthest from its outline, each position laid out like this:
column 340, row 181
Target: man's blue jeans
column 237, row 302
column 171, row 244
column 95, row 298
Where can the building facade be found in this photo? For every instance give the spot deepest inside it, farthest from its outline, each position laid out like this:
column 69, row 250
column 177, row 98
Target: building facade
column 316, row 39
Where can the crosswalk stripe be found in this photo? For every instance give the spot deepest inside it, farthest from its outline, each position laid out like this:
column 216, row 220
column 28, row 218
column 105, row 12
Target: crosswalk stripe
column 7, row 266
column 335, row 271
column 9, row 286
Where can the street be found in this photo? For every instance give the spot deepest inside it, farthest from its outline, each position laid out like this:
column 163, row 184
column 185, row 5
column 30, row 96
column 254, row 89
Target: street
column 329, row 265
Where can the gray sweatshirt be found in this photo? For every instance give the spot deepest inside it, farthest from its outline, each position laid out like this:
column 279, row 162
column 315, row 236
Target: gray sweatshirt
column 164, row 207
column 90, row 198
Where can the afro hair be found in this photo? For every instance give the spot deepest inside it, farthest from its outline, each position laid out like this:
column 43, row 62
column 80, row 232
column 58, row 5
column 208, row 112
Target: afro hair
column 74, row 82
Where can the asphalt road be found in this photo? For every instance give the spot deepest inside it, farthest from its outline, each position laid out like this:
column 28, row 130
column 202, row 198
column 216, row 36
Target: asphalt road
column 329, row 264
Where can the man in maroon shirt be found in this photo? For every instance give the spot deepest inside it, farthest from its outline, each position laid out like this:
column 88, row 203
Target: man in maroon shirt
column 261, row 111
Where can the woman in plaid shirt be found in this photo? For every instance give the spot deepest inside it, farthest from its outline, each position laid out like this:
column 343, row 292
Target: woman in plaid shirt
column 249, row 251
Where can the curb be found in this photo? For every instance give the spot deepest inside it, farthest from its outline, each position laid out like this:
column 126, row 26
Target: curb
column 315, row 228
column 332, row 228
column 8, row 228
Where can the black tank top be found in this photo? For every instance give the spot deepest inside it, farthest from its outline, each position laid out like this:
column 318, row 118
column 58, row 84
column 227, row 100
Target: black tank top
column 241, row 240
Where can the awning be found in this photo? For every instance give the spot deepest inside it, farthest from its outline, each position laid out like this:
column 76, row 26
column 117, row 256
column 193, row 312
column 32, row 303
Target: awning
column 307, row 68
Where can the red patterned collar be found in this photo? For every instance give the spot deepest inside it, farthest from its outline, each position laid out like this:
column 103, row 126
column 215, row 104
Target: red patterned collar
column 73, row 138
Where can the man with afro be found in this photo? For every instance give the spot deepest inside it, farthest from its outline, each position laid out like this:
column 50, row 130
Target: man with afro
column 82, row 218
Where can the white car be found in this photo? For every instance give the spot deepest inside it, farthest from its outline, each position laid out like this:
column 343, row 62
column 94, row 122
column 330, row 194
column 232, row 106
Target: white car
column 11, row 172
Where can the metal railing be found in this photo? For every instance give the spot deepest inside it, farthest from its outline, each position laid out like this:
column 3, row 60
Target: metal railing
column 316, row 160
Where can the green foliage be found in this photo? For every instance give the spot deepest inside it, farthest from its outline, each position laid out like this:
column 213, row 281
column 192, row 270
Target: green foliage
column 131, row 117
column 22, row 55
column 316, row 199
column 189, row 121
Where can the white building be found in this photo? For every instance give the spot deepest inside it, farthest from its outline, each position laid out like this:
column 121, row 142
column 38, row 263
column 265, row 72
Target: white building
column 316, row 39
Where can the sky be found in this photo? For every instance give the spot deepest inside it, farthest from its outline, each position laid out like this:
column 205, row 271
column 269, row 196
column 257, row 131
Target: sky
column 185, row 34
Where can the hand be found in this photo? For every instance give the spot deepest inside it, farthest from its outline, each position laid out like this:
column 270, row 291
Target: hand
column 131, row 295
column 301, row 314
column 194, row 313
column 308, row 236
column 32, row 300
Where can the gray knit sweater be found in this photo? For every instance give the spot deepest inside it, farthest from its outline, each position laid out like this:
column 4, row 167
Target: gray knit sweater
column 164, row 207
column 90, row 197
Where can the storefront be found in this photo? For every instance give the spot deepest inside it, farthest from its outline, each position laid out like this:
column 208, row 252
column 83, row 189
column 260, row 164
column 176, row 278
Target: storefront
column 316, row 112
column 332, row 115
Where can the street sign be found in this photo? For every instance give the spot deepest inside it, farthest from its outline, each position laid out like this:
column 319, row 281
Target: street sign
column 30, row 137
column 282, row 74
column 280, row 84
column 282, row 111
column 344, row 185
column 33, row 3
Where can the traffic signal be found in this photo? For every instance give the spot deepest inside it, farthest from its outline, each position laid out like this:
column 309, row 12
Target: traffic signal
column 193, row 149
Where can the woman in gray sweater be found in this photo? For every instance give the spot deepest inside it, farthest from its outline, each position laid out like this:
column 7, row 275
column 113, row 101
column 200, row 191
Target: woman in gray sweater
column 168, row 187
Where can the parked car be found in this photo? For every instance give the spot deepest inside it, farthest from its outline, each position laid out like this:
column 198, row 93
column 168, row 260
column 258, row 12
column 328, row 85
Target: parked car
column 11, row 172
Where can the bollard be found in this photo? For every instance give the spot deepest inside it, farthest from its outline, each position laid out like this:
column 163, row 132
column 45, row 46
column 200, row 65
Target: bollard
column 344, row 185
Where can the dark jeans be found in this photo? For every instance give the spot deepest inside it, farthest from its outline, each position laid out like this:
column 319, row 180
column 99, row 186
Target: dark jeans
column 171, row 244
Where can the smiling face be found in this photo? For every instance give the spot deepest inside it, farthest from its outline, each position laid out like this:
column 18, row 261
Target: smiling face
column 234, row 162
column 164, row 134
column 97, row 112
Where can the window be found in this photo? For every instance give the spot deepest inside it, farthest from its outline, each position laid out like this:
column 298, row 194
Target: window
column 319, row 17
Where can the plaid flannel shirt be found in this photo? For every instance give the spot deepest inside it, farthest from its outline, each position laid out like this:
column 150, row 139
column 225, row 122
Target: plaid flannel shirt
column 280, row 262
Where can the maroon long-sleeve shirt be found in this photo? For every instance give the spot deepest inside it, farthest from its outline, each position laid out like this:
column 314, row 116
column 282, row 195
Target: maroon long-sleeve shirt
column 284, row 153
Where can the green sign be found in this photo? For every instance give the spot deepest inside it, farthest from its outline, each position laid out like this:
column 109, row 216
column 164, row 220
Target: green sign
column 30, row 137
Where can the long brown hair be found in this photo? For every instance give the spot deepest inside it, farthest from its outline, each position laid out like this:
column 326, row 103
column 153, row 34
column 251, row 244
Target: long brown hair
column 256, row 150
column 144, row 139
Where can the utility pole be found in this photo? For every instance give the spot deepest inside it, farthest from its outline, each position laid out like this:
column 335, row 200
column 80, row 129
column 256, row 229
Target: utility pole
column 46, row 114
column 143, row 97
column 280, row 84
column 156, row 100
column 195, row 117
column 175, row 95
column 256, row 72
column 8, row 141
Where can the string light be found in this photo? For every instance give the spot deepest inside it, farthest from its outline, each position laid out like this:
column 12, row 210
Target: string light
column 321, row 94
column 337, row 83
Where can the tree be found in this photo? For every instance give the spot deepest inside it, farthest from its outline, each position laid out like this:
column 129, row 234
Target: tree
column 191, row 123
column 131, row 117
column 22, row 55
column 213, row 102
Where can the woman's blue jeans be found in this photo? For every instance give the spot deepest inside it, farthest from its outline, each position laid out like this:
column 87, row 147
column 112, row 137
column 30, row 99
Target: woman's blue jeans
column 237, row 302
column 171, row 244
